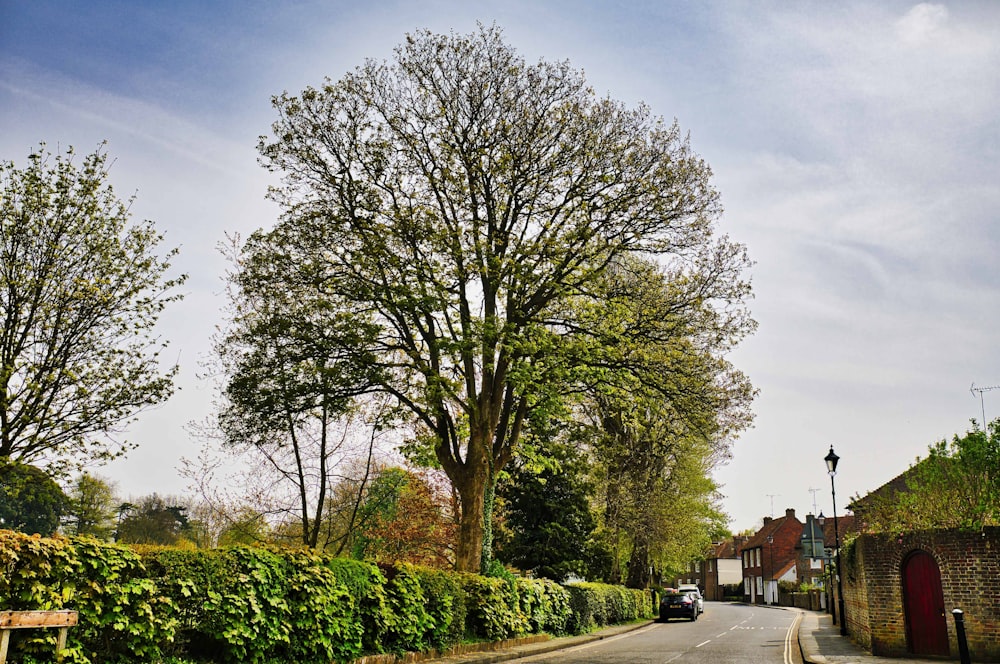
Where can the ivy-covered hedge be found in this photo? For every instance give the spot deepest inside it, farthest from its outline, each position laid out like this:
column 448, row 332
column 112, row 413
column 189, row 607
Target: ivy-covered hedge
column 152, row 604
column 596, row 604
column 122, row 615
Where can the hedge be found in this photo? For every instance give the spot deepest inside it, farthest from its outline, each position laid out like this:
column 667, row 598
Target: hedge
column 263, row 606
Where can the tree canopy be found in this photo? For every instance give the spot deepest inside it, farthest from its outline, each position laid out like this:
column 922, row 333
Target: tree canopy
column 30, row 500
column 453, row 210
column 80, row 292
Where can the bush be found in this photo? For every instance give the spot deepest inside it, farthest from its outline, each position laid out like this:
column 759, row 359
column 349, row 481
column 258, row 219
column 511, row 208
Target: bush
column 122, row 615
column 164, row 604
column 598, row 604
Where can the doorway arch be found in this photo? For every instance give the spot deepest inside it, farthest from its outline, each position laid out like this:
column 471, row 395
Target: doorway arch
column 923, row 605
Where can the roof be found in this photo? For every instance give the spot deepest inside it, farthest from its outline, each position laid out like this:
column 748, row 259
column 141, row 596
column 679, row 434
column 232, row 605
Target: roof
column 847, row 523
column 770, row 528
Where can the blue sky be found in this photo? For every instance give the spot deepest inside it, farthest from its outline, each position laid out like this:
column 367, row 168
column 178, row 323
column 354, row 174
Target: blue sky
column 855, row 144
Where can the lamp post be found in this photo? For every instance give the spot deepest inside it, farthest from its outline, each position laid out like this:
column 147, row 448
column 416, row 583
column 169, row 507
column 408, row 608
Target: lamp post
column 770, row 571
column 827, row 570
column 831, row 467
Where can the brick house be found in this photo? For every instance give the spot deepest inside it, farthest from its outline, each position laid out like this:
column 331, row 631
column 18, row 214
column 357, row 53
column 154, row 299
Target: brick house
column 771, row 555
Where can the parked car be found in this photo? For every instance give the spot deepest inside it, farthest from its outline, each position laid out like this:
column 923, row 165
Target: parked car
column 693, row 589
column 678, row 605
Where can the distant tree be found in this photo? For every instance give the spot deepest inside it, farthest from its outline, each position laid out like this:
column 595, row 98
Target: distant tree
column 245, row 527
column 447, row 207
column 154, row 521
column 30, row 500
column 92, row 507
column 80, row 292
column 957, row 485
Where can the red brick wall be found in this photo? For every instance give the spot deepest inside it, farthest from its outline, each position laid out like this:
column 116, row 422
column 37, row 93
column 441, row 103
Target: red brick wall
column 970, row 580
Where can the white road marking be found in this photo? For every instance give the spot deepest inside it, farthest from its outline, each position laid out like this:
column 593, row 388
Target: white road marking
column 788, row 638
column 703, row 643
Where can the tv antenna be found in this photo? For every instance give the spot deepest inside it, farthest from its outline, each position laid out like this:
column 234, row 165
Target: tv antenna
column 813, row 492
column 982, row 404
column 772, row 496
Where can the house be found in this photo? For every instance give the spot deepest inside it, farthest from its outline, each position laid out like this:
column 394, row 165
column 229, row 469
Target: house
column 721, row 567
column 771, row 555
column 812, row 561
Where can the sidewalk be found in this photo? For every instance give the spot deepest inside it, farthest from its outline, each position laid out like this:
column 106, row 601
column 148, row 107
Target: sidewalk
column 821, row 643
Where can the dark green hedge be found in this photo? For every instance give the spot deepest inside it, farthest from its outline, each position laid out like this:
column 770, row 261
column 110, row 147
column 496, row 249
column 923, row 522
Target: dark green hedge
column 260, row 606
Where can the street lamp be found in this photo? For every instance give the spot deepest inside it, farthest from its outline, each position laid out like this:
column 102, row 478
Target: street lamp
column 827, row 571
column 831, row 468
column 770, row 571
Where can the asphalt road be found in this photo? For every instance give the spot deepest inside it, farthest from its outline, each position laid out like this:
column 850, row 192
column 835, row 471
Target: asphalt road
column 724, row 633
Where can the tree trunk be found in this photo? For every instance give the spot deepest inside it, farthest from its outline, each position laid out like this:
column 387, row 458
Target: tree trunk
column 469, row 549
column 638, row 563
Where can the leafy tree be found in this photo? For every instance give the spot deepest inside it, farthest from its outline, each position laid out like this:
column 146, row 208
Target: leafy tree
column 957, row 485
column 92, row 507
column 447, row 207
column 80, row 292
column 30, row 500
column 658, row 429
column 547, row 516
column 403, row 520
column 292, row 377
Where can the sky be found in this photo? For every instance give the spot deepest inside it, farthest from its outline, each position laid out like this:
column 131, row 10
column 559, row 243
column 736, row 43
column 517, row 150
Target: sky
column 856, row 147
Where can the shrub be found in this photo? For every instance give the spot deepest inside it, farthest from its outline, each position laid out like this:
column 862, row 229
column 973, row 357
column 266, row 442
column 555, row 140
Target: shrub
column 122, row 616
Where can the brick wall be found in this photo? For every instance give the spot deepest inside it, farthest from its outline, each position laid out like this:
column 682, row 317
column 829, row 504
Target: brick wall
column 970, row 578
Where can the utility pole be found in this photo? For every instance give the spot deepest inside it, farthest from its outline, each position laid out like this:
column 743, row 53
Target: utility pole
column 982, row 404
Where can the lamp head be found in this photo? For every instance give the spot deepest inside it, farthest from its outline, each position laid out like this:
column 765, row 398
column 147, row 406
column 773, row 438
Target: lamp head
column 831, row 462
column 821, row 519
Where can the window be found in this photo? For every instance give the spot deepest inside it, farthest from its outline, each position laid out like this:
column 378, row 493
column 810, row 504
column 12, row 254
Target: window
column 815, row 563
column 709, row 565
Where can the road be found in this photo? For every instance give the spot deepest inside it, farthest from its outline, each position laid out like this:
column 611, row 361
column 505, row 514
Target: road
column 724, row 633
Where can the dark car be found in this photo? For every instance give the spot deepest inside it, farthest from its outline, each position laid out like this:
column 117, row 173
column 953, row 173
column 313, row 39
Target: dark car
column 678, row 605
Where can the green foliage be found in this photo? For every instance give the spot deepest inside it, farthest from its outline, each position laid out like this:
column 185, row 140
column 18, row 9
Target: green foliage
column 446, row 604
column 258, row 606
column 153, row 521
column 546, row 605
column 366, row 585
column 597, row 604
column 956, row 486
column 123, row 618
column 92, row 507
column 493, row 607
column 81, row 290
column 30, row 500
column 547, row 516
column 410, row 624
column 451, row 242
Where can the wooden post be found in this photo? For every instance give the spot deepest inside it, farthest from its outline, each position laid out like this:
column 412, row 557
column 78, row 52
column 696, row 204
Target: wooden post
column 9, row 620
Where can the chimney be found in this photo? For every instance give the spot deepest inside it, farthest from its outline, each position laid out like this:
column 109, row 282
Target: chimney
column 767, row 520
column 789, row 514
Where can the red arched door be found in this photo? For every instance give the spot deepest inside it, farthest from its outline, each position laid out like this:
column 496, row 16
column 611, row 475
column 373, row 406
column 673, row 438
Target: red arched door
column 923, row 602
